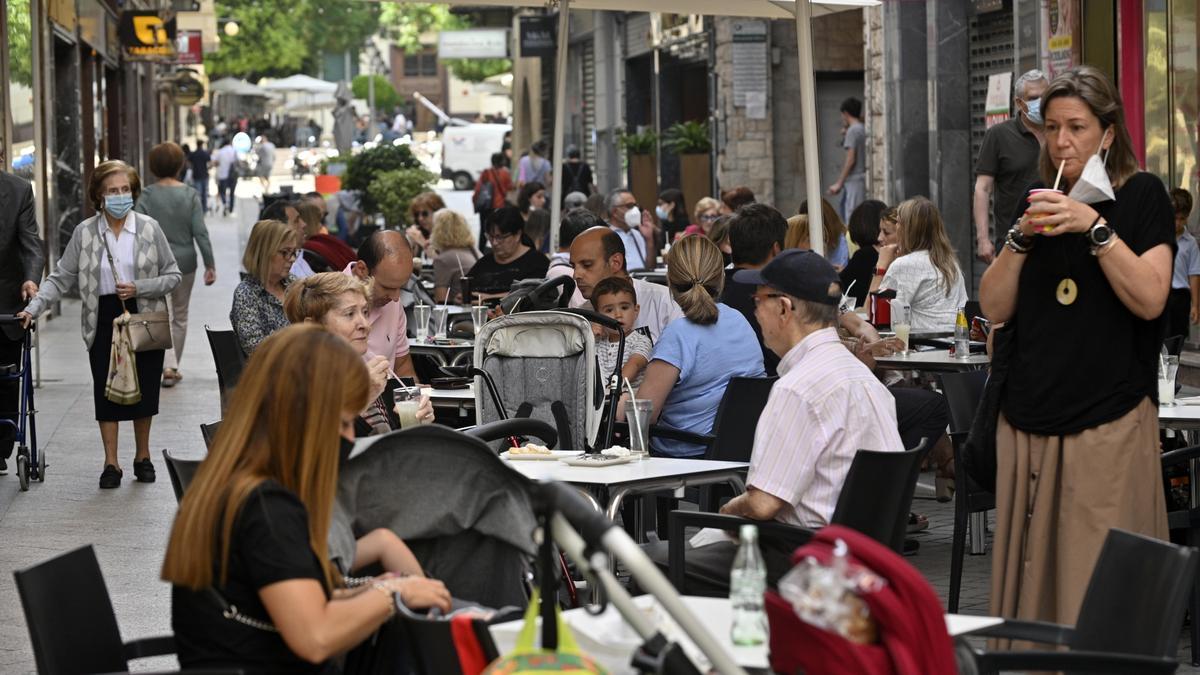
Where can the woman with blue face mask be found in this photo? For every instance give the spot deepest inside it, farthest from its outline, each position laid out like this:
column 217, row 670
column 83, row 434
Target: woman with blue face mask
column 120, row 261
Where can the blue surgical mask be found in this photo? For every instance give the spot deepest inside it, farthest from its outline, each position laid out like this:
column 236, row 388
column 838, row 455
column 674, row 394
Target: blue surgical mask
column 663, row 213
column 118, row 206
column 1034, row 111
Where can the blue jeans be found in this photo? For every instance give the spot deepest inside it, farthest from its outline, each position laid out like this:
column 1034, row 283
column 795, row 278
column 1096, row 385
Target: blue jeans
column 201, row 185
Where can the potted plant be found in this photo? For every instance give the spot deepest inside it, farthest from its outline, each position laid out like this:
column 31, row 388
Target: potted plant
column 393, row 192
column 641, row 148
column 692, row 142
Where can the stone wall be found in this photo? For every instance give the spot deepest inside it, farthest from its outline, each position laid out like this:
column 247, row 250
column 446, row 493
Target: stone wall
column 875, row 105
column 745, row 147
column 837, row 42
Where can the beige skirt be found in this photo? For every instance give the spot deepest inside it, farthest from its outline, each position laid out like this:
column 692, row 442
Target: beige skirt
column 1056, row 499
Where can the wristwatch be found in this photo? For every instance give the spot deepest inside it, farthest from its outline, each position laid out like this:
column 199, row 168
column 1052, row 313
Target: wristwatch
column 1101, row 234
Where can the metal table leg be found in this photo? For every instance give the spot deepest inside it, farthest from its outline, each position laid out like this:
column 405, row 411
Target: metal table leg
column 977, row 526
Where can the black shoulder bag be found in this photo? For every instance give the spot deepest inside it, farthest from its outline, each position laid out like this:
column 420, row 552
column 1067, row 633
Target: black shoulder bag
column 979, row 451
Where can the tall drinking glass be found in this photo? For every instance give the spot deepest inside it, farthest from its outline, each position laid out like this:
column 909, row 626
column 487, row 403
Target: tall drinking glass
column 900, row 323
column 479, row 317
column 441, row 314
column 408, row 401
column 1168, row 368
column 421, row 318
column 637, row 414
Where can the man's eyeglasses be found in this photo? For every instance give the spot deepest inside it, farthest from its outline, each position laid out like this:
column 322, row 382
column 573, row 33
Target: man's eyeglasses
column 760, row 298
column 626, row 205
column 289, row 253
column 493, row 238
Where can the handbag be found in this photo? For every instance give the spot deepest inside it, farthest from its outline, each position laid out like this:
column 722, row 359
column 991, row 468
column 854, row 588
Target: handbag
column 526, row 658
column 979, row 450
column 148, row 331
column 486, row 197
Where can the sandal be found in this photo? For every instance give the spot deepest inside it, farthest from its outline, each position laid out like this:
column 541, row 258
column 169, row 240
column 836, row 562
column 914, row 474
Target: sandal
column 917, row 523
column 171, row 377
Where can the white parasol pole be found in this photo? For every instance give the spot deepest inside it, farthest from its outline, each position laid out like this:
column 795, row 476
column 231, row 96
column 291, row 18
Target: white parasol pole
column 560, row 115
column 808, row 125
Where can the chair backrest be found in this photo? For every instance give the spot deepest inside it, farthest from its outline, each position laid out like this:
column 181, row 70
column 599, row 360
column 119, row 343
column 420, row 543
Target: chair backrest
column 963, row 392
column 181, row 471
column 878, row 493
column 1135, row 600
column 70, row 617
column 209, row 432
column 737, row 417
column 227, row 354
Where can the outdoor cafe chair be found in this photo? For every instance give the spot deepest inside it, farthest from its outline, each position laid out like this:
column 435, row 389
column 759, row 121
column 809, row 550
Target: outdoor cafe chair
column 181, row 472
column 963, row 392
column 227, row 354
column 71, row 622
column 1129, row 620
column 875, row 500
column 1188, row 520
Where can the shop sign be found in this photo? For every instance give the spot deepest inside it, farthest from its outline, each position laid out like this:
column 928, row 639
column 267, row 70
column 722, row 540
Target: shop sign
column 999, row 90
column 92, row 27
column 189, row 48
column 1060, row 25
column 62, row 12
column 537, row 36
column 187, row 89
column 483, row 43
column 146, row 37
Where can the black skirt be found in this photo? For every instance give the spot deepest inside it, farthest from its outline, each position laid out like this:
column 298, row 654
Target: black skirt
column 149, row 368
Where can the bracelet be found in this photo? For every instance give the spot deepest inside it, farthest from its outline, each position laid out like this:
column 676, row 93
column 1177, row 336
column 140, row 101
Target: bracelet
column 1017, row 242
column 880, row 271
column 391, row 594
column 1100, row 251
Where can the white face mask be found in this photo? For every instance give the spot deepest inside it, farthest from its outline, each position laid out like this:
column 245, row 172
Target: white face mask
column 1093, row 184
column 633, row 217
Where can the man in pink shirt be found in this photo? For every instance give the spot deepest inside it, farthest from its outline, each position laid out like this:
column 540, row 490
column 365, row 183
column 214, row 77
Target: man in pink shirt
column 386, row 260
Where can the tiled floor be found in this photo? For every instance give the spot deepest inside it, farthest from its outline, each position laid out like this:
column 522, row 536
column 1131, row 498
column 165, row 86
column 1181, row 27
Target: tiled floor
column 129, row 526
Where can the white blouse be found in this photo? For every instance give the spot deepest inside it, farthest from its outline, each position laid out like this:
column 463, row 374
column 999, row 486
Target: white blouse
column 124, row 253
column 917, row 282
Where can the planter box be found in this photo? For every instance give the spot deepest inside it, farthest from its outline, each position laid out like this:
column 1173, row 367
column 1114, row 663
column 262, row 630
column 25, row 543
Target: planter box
column 695, row 178
column 643, row 180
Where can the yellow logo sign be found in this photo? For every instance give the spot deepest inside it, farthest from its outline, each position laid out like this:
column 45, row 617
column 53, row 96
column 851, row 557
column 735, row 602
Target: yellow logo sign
column 150, row 30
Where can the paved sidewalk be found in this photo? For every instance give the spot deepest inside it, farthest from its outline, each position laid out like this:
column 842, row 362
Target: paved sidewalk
column 129, row 526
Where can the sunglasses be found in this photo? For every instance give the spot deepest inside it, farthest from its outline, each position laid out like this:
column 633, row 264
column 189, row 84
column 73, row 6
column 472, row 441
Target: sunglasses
column 422, row 214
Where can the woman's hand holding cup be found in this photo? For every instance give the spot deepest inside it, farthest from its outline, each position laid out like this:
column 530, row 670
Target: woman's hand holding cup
column 1052, row 213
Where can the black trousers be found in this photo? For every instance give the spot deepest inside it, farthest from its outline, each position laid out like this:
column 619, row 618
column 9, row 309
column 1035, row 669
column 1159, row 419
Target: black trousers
column 1179, row 309
column 920, row 413
column 10, row 392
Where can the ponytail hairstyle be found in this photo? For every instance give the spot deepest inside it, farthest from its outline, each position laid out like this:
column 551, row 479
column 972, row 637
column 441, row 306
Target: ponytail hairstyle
column 696, row 276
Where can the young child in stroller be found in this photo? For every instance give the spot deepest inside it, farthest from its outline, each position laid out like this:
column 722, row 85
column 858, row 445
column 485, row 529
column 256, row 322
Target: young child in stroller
column 616, row 298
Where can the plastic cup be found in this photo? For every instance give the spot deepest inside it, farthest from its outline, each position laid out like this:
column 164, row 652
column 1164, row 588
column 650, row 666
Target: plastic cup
column 421, row 318
column 1035, row 214
column 408, row 401
column 440, row 315
column 901, row 323
column 637, row 414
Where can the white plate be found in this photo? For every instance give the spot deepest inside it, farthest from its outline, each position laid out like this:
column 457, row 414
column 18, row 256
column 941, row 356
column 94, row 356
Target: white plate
column 608, row 460
column 521, row 457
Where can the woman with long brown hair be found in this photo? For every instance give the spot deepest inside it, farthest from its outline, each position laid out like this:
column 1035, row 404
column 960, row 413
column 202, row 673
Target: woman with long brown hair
column 252, row 527
column 697, row 355
column 837, row 251
column 1083, row 279
column 922, row 268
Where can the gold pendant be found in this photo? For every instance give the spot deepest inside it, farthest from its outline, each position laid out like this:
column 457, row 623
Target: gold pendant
column 1067, row 292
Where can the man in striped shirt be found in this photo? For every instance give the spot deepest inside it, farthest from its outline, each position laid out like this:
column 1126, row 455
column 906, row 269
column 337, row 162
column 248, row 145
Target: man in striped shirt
column 825, row 407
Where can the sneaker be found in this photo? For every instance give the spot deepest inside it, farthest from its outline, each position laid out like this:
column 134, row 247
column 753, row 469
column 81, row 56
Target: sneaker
column 143, row 470
column 3, row 466
column 110, row 477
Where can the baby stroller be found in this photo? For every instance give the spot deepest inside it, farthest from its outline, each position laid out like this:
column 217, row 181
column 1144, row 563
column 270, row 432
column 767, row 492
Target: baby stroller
column 540, row 363
column 31, row 463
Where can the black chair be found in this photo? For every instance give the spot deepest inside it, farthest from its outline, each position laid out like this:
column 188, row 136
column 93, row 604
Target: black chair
column 71, row 622
column 1129, row 621
column 963, row 392
column 181, row 472
column 230, row 360
column 1187, row 519
column 317, row 262
column 209, row 432
column 875, row 500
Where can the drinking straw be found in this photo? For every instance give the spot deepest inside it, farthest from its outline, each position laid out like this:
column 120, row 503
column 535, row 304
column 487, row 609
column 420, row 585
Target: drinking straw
column 637, row 423
column 1060, row 170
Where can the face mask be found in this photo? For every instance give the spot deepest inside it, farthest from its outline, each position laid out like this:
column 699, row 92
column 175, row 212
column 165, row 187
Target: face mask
column 1034, row 111
column 118, row 205
column 663, row 213
column 1093, row 184
column 345, row 446
column 633, row 217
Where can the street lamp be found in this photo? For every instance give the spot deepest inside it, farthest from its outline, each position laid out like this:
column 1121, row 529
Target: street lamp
column 231, row 27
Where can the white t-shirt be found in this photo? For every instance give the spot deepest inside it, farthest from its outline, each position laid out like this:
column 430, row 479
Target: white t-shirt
column 658, row 308
column 226, row 158
column 917, row 282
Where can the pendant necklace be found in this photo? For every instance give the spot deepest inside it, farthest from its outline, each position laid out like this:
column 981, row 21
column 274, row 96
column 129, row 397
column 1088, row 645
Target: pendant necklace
column 1067, row 291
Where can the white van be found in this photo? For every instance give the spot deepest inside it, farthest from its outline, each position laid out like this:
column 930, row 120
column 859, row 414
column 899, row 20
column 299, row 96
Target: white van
column 467, row 151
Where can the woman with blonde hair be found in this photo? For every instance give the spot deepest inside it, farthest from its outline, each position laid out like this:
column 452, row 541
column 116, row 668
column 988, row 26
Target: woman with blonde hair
column 258, row 300
column 422, row 208
column 922, row 268
column 1082, row 279
column 697, row 355
column 119, row 261
column 454, row 248
column 704, row 214
column 339, row 303
column 251, row 530
column 837, row 251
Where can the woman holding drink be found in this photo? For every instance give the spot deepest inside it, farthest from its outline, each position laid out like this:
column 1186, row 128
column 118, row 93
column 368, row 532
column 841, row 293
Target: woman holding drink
column 339, row 304
column 1084, row 276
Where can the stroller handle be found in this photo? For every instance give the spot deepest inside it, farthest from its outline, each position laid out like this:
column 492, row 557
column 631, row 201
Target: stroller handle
column 11, row 319
column 595, row 317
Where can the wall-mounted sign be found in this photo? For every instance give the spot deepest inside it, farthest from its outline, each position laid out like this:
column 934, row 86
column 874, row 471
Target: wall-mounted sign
column 146, row 37
column 187, row 89
column 537, row 35
column 63, row 13
column 999, row 95
column 92, row 27
column 189, row 48
column 482, row 43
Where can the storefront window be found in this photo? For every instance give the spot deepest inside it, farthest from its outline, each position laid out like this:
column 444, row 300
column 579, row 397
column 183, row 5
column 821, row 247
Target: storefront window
column 1158, row 103
column 1186, row 97
column 20, row 86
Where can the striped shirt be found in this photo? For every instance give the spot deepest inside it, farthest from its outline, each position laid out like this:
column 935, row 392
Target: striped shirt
column 825, row 407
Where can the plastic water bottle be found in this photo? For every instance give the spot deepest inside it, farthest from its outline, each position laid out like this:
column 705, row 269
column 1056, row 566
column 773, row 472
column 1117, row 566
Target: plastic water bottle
column 747, row 584
column 962, row 336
